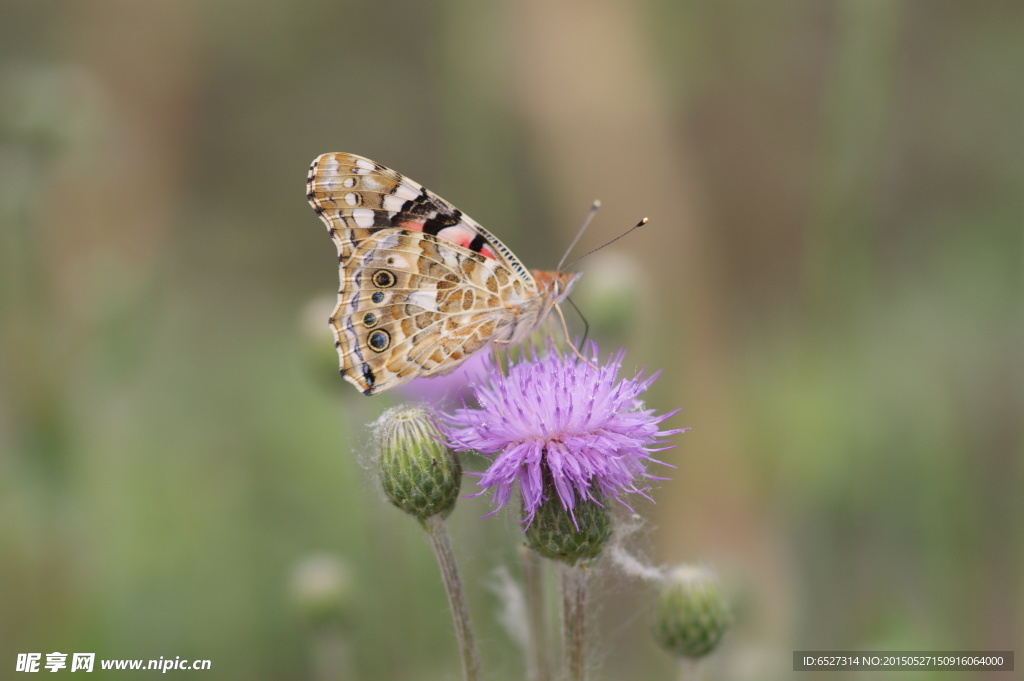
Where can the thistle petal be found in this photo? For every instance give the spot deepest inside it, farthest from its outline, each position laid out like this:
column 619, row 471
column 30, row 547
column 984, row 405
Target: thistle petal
column 558, row 419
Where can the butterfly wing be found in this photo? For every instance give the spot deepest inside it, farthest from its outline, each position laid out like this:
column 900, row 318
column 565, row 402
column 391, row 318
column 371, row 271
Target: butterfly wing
column 412, row 304
column 423, row 286
column 356, row 197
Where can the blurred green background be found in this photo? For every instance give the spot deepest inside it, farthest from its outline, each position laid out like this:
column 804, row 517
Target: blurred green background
column 831, row 282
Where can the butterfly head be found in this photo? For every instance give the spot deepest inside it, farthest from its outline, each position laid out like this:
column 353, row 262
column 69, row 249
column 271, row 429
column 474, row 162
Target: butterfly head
column 554, row 286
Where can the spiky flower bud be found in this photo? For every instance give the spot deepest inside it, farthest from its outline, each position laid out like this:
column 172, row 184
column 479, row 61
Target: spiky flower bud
column 420, row 474
column 571, row 536
column 691, row 614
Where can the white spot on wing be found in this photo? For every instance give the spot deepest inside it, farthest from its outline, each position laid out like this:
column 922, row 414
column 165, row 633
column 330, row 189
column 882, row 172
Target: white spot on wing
column 349, row 182
column 398, row 261
column 393, row 203
column 351, row 199
column 363, row 217
column 389, row 241
column 406, row 191
column 363, row 163
column 450, row 258
column 425, row 299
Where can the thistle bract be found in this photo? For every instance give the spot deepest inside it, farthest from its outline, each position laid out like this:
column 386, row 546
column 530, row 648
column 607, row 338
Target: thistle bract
column 419, row 473
column 692, row 614
column 571, row 539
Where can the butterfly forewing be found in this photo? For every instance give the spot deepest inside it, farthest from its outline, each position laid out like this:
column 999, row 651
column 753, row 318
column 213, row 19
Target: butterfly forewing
column 355, row 197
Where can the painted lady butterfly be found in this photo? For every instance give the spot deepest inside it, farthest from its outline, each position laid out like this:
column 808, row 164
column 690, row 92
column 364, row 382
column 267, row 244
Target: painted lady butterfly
column 423, row 287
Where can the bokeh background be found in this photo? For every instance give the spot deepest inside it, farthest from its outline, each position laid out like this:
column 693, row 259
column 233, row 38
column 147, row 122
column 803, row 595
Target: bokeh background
column 831, row 282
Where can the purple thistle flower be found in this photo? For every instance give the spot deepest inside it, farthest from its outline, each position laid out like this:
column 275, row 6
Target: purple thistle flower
column 561, row 421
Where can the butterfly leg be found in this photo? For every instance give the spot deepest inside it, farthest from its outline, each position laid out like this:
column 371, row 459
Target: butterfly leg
column 497, row 357
column 565, row 327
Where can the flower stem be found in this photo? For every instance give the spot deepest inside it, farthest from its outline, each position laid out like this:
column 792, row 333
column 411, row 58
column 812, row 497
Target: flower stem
column 442, row 545
column 574, row 616
column 538, row 662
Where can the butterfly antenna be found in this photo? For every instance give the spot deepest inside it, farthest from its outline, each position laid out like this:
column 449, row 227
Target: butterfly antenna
column 628, row 231
column 586, row 223
column 565, row 327
column 586, row 324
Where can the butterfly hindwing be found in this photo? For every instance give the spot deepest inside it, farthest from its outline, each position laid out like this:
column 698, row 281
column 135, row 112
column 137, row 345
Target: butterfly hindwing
column 411, row 305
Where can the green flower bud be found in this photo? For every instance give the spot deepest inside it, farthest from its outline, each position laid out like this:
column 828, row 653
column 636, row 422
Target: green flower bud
column 692, row 614
column 553, row 534
column 420, row 474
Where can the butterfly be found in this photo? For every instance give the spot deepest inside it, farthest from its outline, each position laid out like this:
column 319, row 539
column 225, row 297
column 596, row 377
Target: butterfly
column 423, row 286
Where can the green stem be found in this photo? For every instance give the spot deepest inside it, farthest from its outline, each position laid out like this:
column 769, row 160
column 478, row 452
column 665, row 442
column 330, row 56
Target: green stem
column 442, row 545
column 574, row 617
column 538, row 664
